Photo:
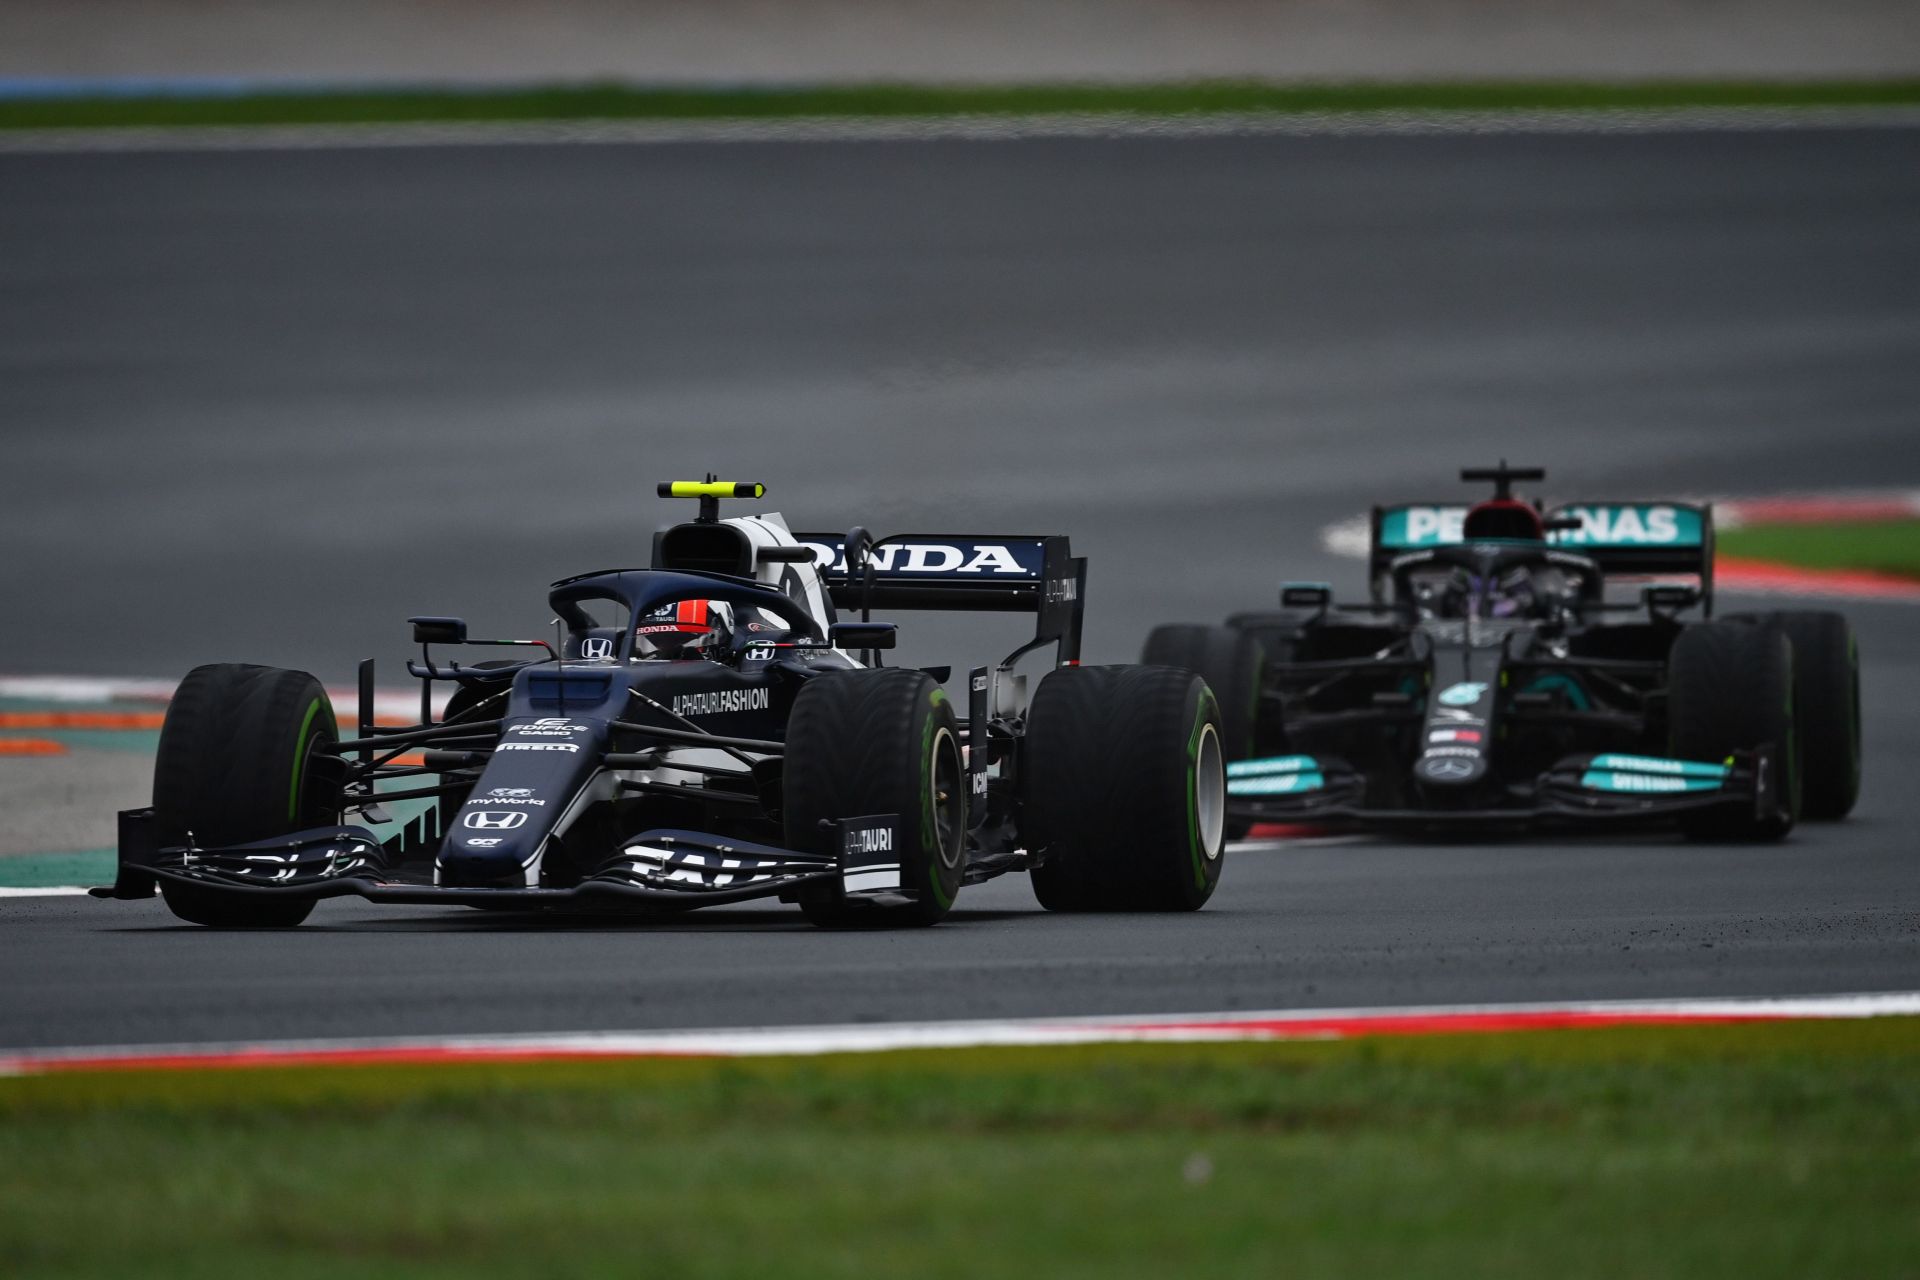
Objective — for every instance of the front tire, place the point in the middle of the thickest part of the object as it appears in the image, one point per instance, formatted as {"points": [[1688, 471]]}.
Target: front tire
{"points": [[241, 759], [1826, 687], [871, 742], [1730, 687], [1125, 789]]}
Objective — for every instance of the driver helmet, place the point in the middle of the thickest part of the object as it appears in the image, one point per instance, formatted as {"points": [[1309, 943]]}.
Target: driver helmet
{"points": [[1503, 518], [1510, 594], [684, 629]]}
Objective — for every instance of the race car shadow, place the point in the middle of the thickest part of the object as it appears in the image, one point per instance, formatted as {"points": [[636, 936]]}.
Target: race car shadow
{"points": [[779, 919]]}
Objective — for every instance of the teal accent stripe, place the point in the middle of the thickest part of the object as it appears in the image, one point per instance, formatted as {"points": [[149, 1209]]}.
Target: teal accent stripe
{"points": [[1279, 785], [1273, 764], [1644, 783], [1657, 765]]}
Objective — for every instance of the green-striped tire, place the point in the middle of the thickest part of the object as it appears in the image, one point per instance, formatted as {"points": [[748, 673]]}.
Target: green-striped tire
{"points": [[871, 742], [1123, 783], [237, 763]]}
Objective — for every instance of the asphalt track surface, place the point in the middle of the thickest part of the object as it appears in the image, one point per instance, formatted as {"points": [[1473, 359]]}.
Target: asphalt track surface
{"points": [[263, 406]]}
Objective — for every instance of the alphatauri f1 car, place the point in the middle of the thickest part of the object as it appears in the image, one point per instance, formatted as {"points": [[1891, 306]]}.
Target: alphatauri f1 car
{"points": [[1496, 678], [705, 730]]}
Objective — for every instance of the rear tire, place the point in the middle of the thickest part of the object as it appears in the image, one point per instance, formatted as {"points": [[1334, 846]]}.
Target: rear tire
{"points": [[872, 742], [1124, 774], [238, 762], [1826, 688], [1233, 663], [1730, 687]]}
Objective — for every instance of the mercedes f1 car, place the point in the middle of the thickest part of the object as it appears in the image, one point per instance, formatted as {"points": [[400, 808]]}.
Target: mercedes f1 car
{"points": [[705, 730], [1496, 678]]}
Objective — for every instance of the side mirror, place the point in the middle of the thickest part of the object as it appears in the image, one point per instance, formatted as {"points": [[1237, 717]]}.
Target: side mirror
{"points": [[1305, 595], [864, 635], [439, 630]]}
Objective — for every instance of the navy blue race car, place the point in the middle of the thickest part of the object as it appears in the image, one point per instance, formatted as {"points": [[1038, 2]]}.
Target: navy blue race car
{"points": [[708, 729]]}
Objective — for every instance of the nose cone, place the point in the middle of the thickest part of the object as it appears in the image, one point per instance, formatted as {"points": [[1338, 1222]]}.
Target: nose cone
{"points": [[1450, 770], [489, 849]]}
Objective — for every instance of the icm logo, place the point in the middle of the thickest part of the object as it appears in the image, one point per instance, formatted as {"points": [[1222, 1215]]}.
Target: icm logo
{"points": [[1463, 695], [495, 821], [596, 647]]}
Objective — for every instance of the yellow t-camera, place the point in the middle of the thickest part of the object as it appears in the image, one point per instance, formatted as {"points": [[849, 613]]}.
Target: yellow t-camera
{"points": [[710, 489]]}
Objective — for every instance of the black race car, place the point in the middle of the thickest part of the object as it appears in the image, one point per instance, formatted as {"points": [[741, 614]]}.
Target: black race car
{"points": [[1497, 678], [705, 730]]}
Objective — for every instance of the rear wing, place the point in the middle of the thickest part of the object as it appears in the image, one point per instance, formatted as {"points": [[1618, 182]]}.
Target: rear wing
{"points": [[1409, 526], [1641, 538], [1626, 539], [1037, 574]]}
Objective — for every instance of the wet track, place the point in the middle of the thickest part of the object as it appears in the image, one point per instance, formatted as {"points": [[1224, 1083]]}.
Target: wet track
{"points": [[264, 406]]}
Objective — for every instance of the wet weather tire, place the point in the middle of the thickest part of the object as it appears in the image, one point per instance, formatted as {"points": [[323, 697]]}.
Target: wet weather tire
{"points": [[1233, 663], [1124, 779], [872, 742], [238, 762], [1730, 687]]}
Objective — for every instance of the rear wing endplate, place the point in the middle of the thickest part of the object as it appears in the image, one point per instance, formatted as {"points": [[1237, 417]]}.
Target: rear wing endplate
{"points": [[1035, 573]]}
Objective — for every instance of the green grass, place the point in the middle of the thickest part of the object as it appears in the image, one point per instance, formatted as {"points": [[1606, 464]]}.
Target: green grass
{"points": [[615, 101], [1750, 1151], [1888, 546]]}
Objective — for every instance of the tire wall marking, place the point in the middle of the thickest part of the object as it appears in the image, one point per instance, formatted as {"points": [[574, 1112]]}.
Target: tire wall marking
{"points": [[300, 759], [1194, 852], [929, 820]]}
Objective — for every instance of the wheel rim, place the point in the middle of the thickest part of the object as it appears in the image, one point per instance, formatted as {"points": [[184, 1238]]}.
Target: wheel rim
{"points": [[949, 798], [1210, 793]]}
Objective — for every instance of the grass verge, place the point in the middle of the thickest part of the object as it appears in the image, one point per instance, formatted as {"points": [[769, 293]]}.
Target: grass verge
{"points": [[624, 102], [1753, 1150], [1885, 546]]}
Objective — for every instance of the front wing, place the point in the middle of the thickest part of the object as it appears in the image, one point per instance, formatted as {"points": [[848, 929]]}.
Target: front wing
{"points": [[1607, 790], [667, 869]]}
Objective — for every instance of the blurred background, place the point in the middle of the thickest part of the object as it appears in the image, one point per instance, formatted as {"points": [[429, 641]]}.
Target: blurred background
{"points": [[786, 41], [262, 404]]}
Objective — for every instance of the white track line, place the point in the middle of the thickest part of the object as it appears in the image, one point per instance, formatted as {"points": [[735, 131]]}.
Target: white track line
{"points": [[877, 1038]]}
